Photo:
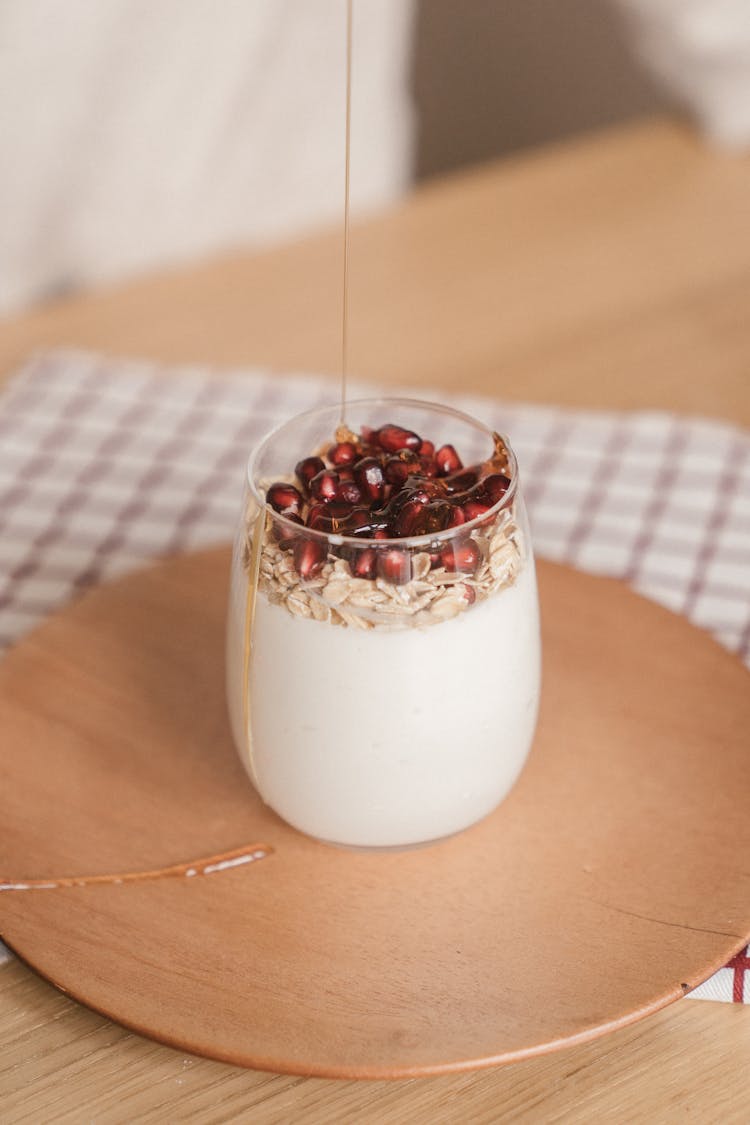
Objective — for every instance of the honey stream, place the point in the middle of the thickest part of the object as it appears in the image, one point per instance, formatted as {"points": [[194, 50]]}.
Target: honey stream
{"points": [[259, 525], [347, 164], [253, 572]]}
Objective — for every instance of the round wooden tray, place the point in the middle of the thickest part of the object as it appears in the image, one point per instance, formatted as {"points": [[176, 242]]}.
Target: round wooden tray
{"points": [[612, 880]]}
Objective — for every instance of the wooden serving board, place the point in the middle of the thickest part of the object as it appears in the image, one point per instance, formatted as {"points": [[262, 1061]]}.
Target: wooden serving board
{"points": [[612, 880]]}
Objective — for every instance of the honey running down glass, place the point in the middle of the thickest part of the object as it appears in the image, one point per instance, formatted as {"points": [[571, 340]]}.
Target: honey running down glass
{"points": [[383, 656]]}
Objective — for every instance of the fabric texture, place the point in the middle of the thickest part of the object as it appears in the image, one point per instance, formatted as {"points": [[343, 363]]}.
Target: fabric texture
{"points": [[106, 464]]}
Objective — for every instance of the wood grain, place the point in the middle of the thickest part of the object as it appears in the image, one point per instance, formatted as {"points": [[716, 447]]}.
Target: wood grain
{"points": [[653, 249], [586, 901], [93, 1070]]}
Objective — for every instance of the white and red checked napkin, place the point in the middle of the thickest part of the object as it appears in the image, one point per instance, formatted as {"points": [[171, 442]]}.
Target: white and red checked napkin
{"points": [[105, 464]]}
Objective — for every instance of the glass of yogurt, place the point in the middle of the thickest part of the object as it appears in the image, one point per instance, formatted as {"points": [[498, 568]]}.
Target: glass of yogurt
{"points": [[383, 651]]}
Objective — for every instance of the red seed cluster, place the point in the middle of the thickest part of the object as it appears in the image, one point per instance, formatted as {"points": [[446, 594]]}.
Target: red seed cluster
{"points": [[386, 484]]}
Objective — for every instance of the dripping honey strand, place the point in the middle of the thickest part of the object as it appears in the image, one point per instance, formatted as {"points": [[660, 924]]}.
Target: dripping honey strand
{"points": [[208, 865]]}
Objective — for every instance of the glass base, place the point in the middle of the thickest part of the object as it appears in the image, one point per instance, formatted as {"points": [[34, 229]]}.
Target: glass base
{"points": [[386, 848]]}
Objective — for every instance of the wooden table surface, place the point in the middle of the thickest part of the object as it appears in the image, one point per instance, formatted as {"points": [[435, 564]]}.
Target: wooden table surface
{"points": [[610, 271]]}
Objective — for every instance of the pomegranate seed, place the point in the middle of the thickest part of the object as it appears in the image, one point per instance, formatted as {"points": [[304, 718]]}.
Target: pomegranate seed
{"points": [[429, 467], [438, 516], [285, 499], [422, 493], [469, 593], [436, 488], [457, 516], [345, 472], [309, 556], [332, 518], [462, 557], [461, 481], [474, 508], [411, 519], [494, 487], [406, 496], [284, 536], [345, 453], [368, 524], [397, 469], [318, 517], [307, 469], [368, 474], [364, 563], [350, 491], [325, 485], [394, 438], [435, 559], [358, 522], [394, 566], [427, 449], [339, 509], [448, 460]]}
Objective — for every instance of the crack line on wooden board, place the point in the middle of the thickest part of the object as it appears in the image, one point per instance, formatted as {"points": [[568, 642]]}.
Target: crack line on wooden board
{"points": [[663, 922]]}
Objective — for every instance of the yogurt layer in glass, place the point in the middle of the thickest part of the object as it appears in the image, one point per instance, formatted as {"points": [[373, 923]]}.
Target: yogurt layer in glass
{"points": [[383, 687]]}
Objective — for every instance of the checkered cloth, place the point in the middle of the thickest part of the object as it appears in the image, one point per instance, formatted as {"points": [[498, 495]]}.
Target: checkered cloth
{"points": [[104, 465]]}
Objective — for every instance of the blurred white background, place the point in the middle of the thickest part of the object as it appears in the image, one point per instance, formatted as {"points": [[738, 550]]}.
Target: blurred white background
{"points": [[141, 133]]}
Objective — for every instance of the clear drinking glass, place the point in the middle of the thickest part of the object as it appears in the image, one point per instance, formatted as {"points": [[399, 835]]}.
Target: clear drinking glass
{"points": [[383, 691]]}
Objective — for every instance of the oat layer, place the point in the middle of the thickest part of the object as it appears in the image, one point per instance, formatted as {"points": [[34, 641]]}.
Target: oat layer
{"points": [[336, 596]]}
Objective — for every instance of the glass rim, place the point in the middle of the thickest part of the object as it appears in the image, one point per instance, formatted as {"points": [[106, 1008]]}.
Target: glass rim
{"points": [[412, 541]]}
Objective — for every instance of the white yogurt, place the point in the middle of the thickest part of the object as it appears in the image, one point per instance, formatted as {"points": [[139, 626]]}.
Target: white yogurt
{"points": [[386, 738]]}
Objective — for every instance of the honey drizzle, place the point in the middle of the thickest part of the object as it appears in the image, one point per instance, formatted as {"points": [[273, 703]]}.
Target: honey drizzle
{"points": [[499, 462], [209, 865], [253, 572], [347, 161], [259, 526]]}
